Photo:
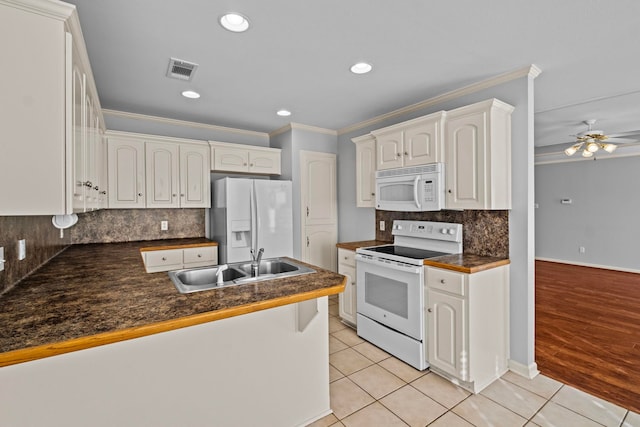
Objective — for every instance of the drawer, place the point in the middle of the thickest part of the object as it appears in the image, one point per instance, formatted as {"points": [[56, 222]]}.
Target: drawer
{"points": [[347, 257], [448, 281], [203, 254], [163, 260]]}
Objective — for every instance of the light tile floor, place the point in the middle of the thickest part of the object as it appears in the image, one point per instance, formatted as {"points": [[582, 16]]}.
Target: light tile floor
{"points": [[369, 387]]}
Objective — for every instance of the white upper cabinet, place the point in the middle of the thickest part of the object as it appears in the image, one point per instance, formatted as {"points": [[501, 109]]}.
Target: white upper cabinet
{"points": [[411, 143], [126, 171], [228, 157], [365, 171], [162, 175], [478, 156], [157, 172], [194, 176], [44, 165]]}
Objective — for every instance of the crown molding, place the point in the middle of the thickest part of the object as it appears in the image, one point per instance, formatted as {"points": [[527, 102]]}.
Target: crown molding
{"points": [[531, 71], [50, 8], [299, 126], [150, 137], [176, 122]]}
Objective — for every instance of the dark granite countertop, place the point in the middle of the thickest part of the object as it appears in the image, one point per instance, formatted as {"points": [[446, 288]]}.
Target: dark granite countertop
{"points": [[465, 263], [95, 294]]}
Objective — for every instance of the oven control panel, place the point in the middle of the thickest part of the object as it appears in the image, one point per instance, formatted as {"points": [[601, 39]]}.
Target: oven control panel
{"points": [[428, 230]]}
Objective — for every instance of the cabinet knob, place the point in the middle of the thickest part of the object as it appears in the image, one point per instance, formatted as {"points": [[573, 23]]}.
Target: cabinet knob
{"points": [[96, 188], [164, 258], [429, 310], [251, 164], [88, 184], [406, 153], [103, 192], [199, 255], [398, 154], [181, 194], [139, 194], [173, 195], [244, 164], [442, 281], [449, 191], [373, 194]]}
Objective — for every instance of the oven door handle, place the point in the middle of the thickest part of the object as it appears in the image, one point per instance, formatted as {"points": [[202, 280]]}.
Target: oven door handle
{"points": [[416, 185], [392, 265]]}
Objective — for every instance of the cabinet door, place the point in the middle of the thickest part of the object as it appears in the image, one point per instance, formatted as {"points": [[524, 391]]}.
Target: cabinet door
{"points": [[320, 246], [423, 143], [347, 299], [318, 188], [231, 159], [79, 137], [126, 173], [194, 176], [265, 162], [162, 175], [102, 168], [465, 159], [446, 336], [389, 150], [366, 173]]}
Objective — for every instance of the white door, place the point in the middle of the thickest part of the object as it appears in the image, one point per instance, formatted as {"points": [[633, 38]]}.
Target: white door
{"points": [[194, 176], [126, 173], [366, 173], [347, 299], [320, 246], [446, 334], [319, 206]]}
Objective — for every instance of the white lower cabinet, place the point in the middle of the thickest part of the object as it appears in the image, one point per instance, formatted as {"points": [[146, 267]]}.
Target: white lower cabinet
{"points": [[347, 299], [176, 258], [467, 325]]}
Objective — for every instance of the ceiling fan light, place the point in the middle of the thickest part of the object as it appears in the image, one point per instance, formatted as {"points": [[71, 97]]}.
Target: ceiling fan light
{"points": [[609, 148], [592, 147], [586, 153], [570, 151]]}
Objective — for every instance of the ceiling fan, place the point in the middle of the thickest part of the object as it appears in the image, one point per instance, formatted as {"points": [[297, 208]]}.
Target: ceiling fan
{"points": [[593, 140]]}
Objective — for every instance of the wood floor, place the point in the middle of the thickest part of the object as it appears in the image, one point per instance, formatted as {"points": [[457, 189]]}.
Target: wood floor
{"points": [[588, 330]]}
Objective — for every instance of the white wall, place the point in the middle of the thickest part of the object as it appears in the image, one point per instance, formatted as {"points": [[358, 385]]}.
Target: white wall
{"points": [[602, 216], [358, 223]]}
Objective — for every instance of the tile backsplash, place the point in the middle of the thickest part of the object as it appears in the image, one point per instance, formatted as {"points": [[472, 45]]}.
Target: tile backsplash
{"points": [[43, 242], [484, 232]]}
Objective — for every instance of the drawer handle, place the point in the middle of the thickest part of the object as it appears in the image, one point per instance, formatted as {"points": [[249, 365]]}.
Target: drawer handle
{"points": [[199, 255], [442, 281], [164, 258]]}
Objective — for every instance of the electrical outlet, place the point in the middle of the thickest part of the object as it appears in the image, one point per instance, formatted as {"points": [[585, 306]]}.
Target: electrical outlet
{"points": [[2, 261], [381, 225], [164, 225], [22, 249], [582, 250]]}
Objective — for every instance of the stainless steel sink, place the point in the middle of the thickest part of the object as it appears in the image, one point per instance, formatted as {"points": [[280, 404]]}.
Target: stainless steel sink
{"points": [[204, 278]]}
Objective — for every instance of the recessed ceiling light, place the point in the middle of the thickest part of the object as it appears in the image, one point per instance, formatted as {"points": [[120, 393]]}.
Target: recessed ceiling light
{"points": [[283, 113], [191, 94], [361, 68], [234, 22]]}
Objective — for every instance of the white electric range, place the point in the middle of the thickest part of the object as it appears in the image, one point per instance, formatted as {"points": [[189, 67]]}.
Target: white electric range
{"points": [[390, 286]]}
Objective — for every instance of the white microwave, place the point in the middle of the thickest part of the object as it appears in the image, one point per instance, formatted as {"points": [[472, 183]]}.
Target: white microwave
{"points": [[413, 189]]}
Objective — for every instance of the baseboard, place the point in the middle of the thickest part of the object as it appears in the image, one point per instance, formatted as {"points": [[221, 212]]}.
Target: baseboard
{"points": [[530, 371], [584, 264], [316, 418]]}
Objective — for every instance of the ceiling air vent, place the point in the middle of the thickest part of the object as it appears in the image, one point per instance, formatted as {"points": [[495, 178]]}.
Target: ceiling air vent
{"points": [[182, 70]]}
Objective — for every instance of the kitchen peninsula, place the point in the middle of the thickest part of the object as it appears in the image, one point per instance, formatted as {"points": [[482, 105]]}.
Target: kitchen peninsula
{"points": [[229, 356]]}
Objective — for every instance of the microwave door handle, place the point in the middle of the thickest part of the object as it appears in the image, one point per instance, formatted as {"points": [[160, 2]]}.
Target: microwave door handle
{"points": [[416, 199]]}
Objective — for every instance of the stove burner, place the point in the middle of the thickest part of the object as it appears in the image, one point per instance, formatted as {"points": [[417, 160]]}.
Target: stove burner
{"points": [[406, 252]]}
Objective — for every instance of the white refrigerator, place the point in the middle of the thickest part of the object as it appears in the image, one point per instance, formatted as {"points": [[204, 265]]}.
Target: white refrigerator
{"points": [[252, 214]]}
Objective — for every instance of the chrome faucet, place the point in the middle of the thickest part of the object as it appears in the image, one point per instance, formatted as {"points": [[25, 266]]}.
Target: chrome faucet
{"points": [[255, 262], [219, 275]]}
